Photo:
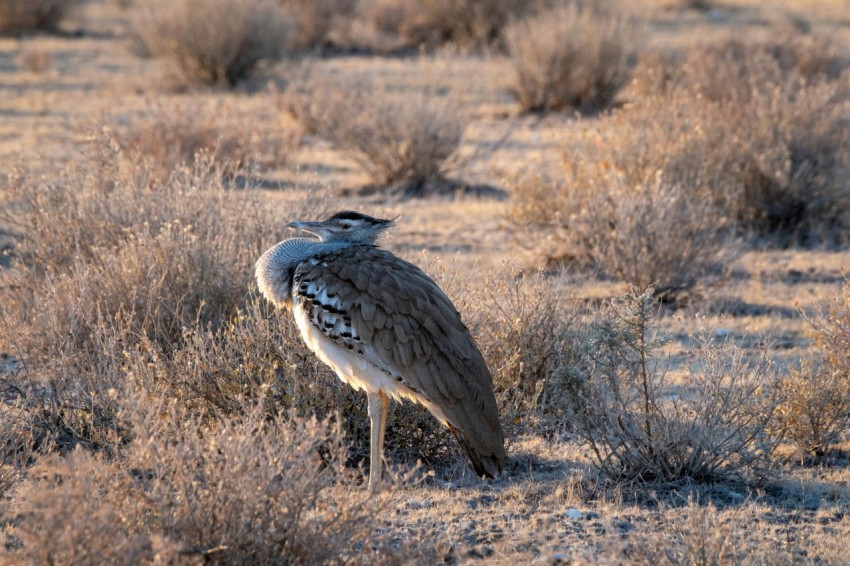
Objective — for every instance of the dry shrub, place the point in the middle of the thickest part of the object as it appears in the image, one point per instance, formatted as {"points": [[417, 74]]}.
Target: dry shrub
{"points": [[248, 491], [783, 132], [816, 410], [215, 42], [121, 282], [23, 16], [709, 426], [655, 236], [315, 20], [431, 23], [735, 70], [17, 444], [528, 333], [574, 56], [793, 122], [404, 139], [260, 355], [644, 198], [764, 158], [166, 138], [109, 260]]}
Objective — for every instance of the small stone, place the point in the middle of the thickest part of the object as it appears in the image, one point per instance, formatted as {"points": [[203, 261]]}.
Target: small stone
{"points": [[573, 513]]}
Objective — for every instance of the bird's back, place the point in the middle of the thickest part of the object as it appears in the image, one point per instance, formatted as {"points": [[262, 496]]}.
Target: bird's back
{"points": [[390, 312]]}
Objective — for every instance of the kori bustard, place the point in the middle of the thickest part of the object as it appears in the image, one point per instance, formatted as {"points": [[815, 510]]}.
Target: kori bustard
{"points": [[385, 327]]}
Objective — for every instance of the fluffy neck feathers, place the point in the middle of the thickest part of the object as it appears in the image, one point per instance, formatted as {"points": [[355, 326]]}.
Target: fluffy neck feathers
{"points": [[276, 267]]}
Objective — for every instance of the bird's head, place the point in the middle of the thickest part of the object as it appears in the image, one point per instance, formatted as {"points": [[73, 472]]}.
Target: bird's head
{"points": [[345, 226]]}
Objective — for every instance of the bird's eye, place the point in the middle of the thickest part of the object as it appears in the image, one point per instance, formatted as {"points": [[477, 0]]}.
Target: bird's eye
{"points": [[345, 226]]}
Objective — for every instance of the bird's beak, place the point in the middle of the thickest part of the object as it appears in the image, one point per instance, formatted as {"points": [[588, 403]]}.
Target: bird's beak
{"points": [[314, 228]]}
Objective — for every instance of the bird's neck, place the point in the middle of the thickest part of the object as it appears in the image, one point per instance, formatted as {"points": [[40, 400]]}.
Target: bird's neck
{"points": [[276, 267]]}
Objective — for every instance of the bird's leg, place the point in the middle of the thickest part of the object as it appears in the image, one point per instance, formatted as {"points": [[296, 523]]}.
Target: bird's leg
{"points": [[379, 406]]}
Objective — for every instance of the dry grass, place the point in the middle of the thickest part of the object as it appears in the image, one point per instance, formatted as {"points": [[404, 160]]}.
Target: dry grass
{"points": [[181, 134], [109, 260], [314, 21], [154, 409], [247, 491], [25, 16], [218, 42], [401, 139], [783, 135], [573, 56], [644, 198], [529, 335], [465, 23], [122, 281], [816, 410], [702, 533], [712, 426]]}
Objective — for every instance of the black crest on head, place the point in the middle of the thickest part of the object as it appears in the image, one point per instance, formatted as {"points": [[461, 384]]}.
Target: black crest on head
{"points": [[351, 215]]}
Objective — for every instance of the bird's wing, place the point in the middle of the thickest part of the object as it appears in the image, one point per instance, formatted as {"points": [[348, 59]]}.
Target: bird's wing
{"points": [[392, 313]]}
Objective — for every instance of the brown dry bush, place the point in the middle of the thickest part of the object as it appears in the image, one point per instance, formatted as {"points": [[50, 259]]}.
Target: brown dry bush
{"points": [[735, 70], [784, 130], [216, 42], [22, 16], [711, 426], [795, 122], [121, 281], [166, 138], [108, 260], [655, 236], [528, 333], [248, 491], [314, 21], [259, 354], [17, 444], [464, 23], [401, 139], [71, 325], [576, 56], [644, 198], [816, 410]]}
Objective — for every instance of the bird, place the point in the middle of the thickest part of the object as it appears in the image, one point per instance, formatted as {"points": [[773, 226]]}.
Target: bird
{"points": [[386, 328]]}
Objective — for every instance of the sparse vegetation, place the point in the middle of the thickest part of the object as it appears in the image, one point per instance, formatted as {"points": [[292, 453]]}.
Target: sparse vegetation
{"points": [[167, 138], [710, 427], [153, 408], [530, 337], [464, 23], [400, 139], [128, 282], [248, 491], [573, 56], [644, 198], [784, 138], [816, 410], [655, 236], [218, 42], [315, 20], [25, 16]]}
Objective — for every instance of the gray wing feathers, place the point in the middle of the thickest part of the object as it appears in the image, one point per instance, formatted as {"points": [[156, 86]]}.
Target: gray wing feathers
{"points": [[415, 330]]}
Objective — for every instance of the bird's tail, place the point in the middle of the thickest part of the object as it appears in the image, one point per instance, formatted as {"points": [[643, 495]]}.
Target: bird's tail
{"points": [[486, 456]]}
